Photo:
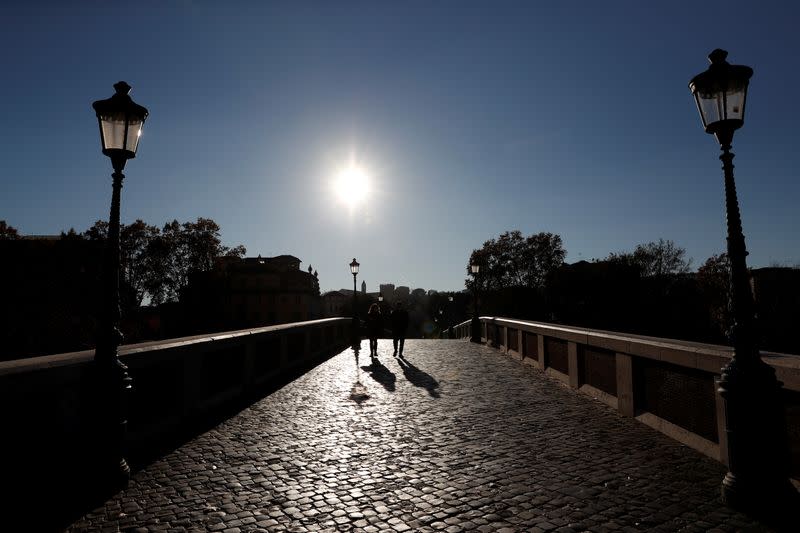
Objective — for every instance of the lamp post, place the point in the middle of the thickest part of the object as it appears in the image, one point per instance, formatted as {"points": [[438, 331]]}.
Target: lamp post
{"points": [[354, 270], [758, 453], [120, 121], [475, 269], [449, 314]]}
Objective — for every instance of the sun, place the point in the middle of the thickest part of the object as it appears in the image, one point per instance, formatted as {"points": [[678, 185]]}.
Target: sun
{"points": [[351, 186]]}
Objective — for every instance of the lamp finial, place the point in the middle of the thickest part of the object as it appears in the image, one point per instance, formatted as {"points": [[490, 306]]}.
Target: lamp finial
{"points": [[718, 56], [122, 87]]}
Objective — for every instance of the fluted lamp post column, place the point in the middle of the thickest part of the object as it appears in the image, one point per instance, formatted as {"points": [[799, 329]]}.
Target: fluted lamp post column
{"points": [[475, 328], [758, 454], [354, 270], [120, 121]]}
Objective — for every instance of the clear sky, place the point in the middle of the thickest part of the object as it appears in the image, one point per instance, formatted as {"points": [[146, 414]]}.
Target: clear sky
{"points": [[469, 119]]}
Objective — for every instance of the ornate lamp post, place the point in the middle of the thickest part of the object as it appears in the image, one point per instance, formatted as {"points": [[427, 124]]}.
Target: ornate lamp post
{"points": [[758, 457], [475, 269], [354, 270], [120, 121]]}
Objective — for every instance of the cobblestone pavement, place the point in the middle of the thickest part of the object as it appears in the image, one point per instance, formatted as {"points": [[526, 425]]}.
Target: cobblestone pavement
{"points": [[456, 438]]}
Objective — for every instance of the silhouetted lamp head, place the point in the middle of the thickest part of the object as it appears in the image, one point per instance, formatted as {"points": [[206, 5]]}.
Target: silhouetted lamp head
{"points": [[354, 266], [475, 268], [449, 298], [121, 121], [380, 298], [720, 93]]}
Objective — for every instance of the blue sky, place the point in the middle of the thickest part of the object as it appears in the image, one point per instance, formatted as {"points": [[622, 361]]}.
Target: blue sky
{"points": [[471, 118]]}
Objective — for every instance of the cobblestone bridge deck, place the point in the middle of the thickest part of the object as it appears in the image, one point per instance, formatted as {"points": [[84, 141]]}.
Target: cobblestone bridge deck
{"points": [[455, 437]]}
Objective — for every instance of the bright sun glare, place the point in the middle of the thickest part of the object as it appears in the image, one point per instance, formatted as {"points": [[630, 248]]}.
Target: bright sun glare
{"points": [[352, 186]]}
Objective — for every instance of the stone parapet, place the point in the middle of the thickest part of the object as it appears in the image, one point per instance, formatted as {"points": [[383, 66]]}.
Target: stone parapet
{"points": [[180, 386], [668, 384]]}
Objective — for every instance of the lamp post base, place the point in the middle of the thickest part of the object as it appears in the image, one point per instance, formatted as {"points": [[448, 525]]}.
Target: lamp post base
{"points": [[758, 459], [773, 496], [475, 328]]}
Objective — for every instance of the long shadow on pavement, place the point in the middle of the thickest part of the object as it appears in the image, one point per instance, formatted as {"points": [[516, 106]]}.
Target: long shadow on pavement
{"points": [[417, 377], [381, 374]]}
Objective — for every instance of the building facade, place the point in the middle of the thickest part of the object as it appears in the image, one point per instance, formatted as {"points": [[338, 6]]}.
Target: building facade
{"points": [[251, 292]]}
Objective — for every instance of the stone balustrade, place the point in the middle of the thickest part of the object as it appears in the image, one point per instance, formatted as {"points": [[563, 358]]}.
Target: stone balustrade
{"points": [[180, 386], [667, 384]]}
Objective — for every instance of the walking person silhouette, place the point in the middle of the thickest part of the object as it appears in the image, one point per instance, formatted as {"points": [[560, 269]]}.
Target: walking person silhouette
{"points": [[374, 328], [399, 321]]}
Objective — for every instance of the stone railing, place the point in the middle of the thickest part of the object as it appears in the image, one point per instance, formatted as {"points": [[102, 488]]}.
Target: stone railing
{"points": [[667, 384], [179, 386]]}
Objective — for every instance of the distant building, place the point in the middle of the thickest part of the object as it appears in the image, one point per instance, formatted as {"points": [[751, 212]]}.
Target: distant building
{"points": [[387, 291], [419, 294], [334, 303], [251, 292], [401, 293], [340, 303]]}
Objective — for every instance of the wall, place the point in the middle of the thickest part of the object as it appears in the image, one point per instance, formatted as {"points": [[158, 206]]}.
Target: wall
{"points": [[180, 386], [667, 384]]}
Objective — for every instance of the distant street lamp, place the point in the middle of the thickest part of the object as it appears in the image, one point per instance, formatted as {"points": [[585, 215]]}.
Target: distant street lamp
{"points": [[475, 268], [120, 121], [450, 315], [758, 453], [354, 270]]}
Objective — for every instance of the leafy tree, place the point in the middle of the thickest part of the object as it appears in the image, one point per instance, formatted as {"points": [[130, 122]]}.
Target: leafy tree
{"points": [[714, 280], [201, 244], [98, 231], [654, 259], [157, 262], [163, 264], [512, 260], [134, 241], [8, 232]]}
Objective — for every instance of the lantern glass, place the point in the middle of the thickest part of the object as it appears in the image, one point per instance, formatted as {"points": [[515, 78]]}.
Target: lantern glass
{"points": [[720, 94], [721, 103], [475, 268], [120, 131], [121, 121], [354, 266]]}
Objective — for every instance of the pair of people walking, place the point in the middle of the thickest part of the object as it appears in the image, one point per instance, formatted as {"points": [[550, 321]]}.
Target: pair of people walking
{"points": [[399, 324]]}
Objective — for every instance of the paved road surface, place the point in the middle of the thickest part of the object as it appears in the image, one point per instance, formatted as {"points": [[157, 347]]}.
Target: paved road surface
{"points": [[456, 437]]}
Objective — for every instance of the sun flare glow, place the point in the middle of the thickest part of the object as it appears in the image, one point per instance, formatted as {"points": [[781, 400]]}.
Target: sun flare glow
{"points": [[352, 186]]}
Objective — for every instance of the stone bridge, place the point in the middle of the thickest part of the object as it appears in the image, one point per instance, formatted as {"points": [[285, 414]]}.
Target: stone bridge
{"points": [[452, 436]]}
